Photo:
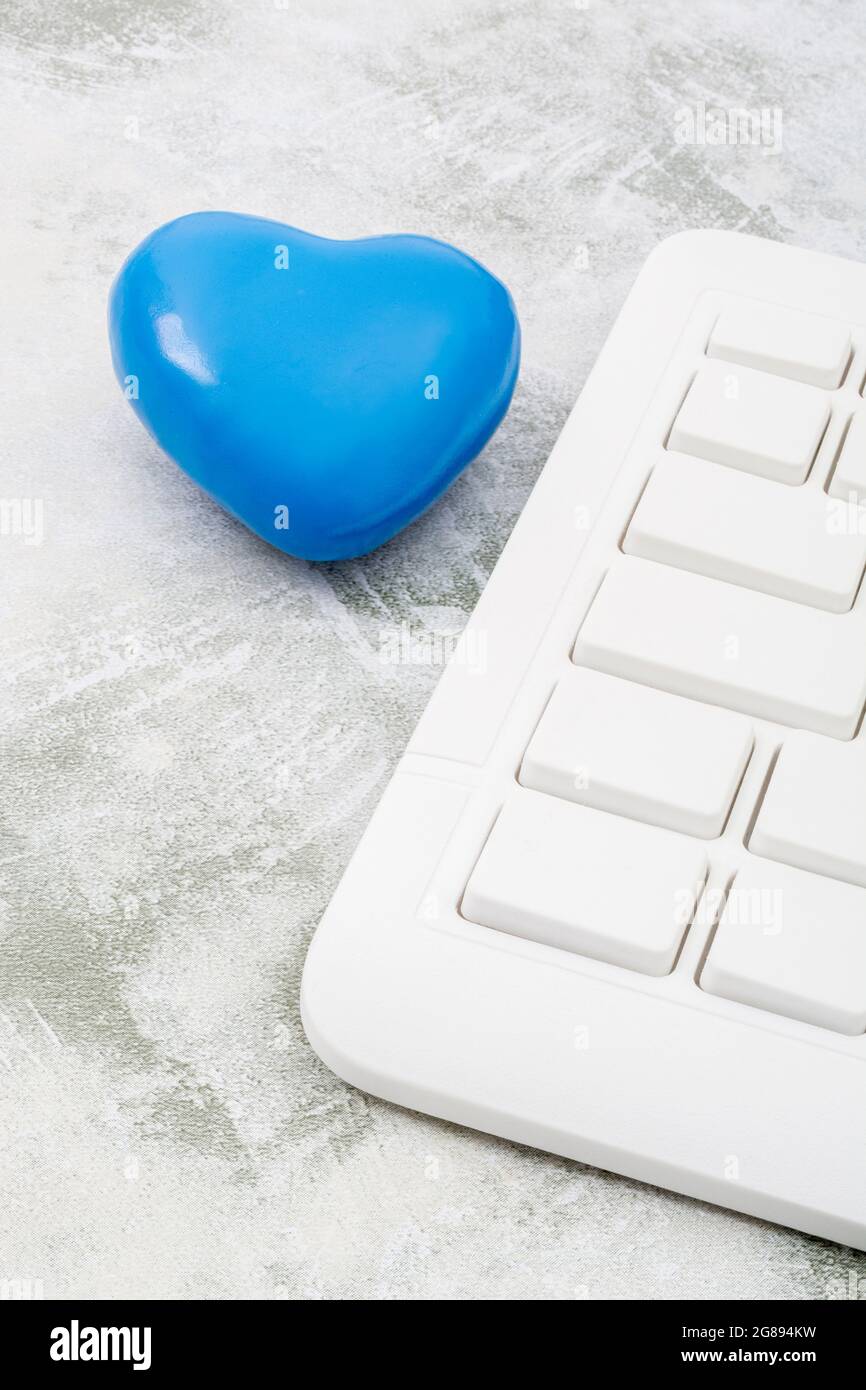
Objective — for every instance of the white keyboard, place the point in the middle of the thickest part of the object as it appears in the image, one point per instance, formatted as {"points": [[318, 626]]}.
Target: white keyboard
{"points": [[613, 902]]}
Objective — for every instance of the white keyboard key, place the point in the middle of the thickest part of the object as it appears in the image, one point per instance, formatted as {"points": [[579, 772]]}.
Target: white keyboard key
{"points": [[746, 530], [793, 944], [638, 752], [814, 812], [588, 882], [849, 476], [726, 645], [749, 420], [806, 347]]}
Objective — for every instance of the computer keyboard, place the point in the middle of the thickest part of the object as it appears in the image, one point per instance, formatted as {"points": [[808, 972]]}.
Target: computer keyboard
{"points": [[613, 902]]}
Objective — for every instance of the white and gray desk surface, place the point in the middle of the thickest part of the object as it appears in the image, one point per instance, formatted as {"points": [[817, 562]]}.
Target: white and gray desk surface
{"points": [[196, 729]]}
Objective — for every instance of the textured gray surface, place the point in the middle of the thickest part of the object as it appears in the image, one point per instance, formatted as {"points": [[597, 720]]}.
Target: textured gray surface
{"points": [[195, 729]]}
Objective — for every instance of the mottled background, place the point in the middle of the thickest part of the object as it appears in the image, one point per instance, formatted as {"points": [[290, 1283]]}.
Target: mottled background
{"points": [[196, 729]]}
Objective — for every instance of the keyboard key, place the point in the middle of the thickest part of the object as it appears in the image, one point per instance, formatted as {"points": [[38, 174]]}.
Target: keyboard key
{"points": [[814, 812], [588, 882], [729, 646], [849, 476], [746, 530], [749, 420], [638, 752], [793, 944], [805, 347]]}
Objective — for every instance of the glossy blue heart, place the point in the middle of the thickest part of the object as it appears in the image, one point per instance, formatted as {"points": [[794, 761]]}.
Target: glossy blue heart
{"points": [[324, 392]]}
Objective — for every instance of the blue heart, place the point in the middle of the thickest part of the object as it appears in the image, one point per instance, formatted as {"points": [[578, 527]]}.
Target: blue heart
{"points": [[324, 392]]}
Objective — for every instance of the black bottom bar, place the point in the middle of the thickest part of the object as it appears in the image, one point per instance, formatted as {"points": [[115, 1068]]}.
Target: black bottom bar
{"points": [[222, 1339]]}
